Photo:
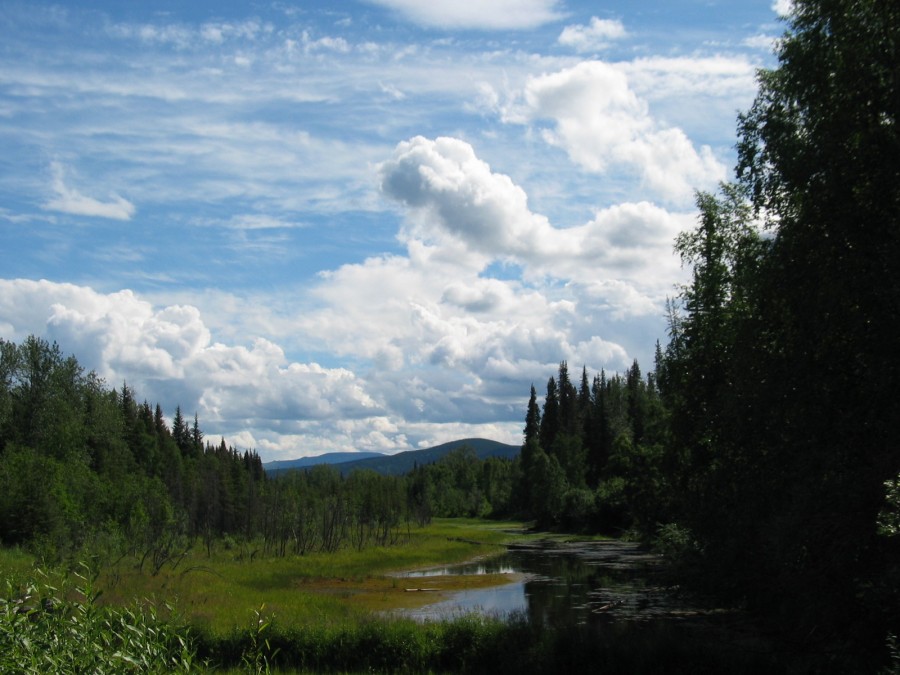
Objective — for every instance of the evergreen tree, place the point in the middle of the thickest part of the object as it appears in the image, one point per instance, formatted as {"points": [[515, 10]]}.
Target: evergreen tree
{"points": [[568, 402], [197, 436], [550, 418], [532, 419], [182, 434]]}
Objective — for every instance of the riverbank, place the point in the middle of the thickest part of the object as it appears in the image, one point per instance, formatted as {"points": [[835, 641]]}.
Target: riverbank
{"points": [[238, 613]]}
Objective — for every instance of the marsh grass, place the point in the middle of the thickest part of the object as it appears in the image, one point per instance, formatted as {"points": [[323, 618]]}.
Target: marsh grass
{"points": [[314, 614], [218, 593]]}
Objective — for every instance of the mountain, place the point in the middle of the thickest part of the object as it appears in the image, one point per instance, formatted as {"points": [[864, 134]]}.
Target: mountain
{"points": [[402, 462], [276, 467]]}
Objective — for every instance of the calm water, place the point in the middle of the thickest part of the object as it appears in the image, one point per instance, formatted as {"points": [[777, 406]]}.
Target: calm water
{"points": [[595, 582]]}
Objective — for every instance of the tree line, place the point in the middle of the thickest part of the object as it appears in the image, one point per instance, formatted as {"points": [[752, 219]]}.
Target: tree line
{"points": [[86, 469], [83, 465]]}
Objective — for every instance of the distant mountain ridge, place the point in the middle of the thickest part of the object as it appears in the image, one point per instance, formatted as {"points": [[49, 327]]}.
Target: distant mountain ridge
{"points": [[305, 462], [394, 465]]}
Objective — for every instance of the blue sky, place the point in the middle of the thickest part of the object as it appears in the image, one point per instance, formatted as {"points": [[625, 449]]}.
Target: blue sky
{"points": [[359, 225]]}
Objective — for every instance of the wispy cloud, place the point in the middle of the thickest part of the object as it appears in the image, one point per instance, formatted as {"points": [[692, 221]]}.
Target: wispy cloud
{"points": [[70, 200], [596, 36], [495, 15]]}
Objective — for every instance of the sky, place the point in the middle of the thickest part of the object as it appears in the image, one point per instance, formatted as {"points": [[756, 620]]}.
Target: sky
{"points": [[360, 225]]}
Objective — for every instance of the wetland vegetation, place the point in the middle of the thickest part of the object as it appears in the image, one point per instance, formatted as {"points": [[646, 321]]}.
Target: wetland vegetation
{"points": [[334, 612]]}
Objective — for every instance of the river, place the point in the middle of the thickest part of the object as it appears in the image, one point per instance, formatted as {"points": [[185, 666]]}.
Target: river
{"points": [[556, 583]]}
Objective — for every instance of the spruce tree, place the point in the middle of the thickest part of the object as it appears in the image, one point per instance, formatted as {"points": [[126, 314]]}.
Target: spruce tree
{"points": [[550, 418]]}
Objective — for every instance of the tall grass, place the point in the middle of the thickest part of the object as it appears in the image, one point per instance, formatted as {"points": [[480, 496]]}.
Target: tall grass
{"points": [[478, 644], [43, 631]]}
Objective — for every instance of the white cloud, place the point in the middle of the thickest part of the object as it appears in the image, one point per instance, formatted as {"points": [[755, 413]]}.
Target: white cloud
{"points": [[603, 125], [761, 41], [70, 200], [256, 396], [494, 15], [658, 78], [453, 192], [594, 37], [259, 221], [454, 195], [327, 43], [185, 36], [783, 8], [167, 355]]}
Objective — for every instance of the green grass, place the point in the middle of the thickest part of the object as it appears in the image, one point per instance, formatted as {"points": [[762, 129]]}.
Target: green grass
{"points": [[218, 593], [314, 614]]}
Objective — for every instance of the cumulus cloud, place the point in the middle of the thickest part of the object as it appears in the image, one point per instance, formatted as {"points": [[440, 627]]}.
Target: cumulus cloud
{"points": [[453, 192], [603, 125], [595, 36], [450, 192], [428, 338], [498, 14], [70, 200], [167, 354]]}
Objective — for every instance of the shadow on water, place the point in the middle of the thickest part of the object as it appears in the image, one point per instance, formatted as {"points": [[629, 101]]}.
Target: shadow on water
{"points": [[556, 584]]}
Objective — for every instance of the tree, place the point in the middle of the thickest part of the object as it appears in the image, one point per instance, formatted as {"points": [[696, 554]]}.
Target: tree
{"points": [[550, 419], [182, 434], [783, 370], [196, 436], [532, 418], [548, 489], [568, 402]]}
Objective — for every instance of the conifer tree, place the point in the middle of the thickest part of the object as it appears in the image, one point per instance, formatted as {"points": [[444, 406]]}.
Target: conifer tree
{"points": [[532, 419]]}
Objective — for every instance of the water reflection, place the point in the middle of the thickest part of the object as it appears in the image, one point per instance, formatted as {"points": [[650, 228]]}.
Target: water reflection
{"points": [[490, 566], [585, 583]]}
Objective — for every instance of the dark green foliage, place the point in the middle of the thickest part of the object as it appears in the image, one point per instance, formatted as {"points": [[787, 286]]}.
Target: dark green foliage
{"points": [[83, 466], [532, 419], [85, 470], [603, 467], [550, 421], [782, 369], [763, 449]]}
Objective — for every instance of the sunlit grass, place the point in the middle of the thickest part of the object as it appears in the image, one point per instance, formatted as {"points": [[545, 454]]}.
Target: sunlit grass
{"points": [[218, 593]]}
